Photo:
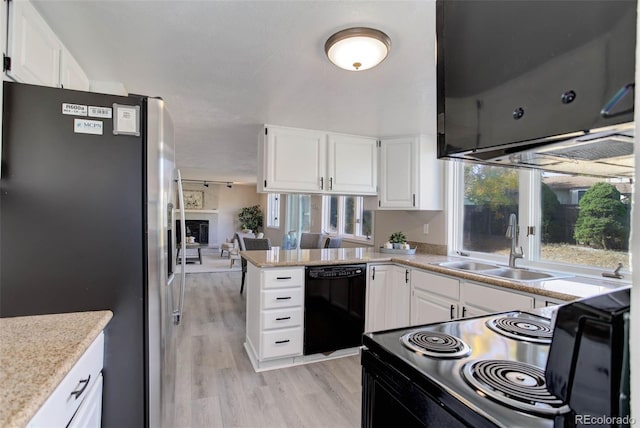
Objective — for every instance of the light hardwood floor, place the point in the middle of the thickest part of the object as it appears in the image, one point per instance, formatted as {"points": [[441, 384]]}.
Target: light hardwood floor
{"points": [[217, 386]]}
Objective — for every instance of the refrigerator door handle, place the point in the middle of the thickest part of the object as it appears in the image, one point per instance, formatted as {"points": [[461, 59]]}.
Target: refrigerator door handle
{"points": [[177, 312]]}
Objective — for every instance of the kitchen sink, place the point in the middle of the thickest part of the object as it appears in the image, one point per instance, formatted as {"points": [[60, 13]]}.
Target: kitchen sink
{"points": [[468, 265], [496, 271]]}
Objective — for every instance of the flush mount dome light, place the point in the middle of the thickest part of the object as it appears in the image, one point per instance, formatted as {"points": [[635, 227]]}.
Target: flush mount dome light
{"points": [[357, 49]]}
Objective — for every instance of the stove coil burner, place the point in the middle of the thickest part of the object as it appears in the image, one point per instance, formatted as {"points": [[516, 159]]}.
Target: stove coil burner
{"points": [[521, 328], [518, 385], [435, 344]]}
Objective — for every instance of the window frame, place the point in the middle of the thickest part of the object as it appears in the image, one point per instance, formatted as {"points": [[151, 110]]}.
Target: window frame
{"points": [[273, 210], [359, 213], [529, 214]]}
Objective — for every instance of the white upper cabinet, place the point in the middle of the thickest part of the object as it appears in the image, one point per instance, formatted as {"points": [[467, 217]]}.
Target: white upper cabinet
{"points": [[308, 161], [352, 164], [410, 174], [33, 47], [37, 55], [293, 160], [71, 74]]}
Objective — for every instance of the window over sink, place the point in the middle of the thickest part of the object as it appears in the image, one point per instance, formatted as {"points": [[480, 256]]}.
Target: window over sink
{"points": [[564, 220]]}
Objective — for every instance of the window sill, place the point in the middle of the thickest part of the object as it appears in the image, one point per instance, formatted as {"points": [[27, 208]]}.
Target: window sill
{"points": [[360, 241]]}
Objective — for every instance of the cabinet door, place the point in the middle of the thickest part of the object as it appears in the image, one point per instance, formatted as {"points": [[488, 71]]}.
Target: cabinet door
{"points": [[294, 160], [397, 173], [398, 298], [352, 164], [34, 49], [72, 76], [375, 317], [428, 308]]}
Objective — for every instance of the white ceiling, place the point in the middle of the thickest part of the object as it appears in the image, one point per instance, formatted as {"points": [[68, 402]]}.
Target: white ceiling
{"points": [[227, 67]]}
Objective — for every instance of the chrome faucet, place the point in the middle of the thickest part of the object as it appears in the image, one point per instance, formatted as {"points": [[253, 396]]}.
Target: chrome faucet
{"points": [[512, 233]]}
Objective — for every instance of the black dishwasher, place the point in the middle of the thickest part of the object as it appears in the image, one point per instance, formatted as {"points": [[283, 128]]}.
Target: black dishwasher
{"points": [[334, 305]]}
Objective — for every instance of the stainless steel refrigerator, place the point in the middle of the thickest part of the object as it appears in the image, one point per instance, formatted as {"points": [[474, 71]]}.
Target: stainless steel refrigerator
{"points": [[85, 224]]}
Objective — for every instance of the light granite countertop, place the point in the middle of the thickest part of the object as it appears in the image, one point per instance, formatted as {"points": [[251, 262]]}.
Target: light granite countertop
{"points": [[566, 289], [36, 353]]}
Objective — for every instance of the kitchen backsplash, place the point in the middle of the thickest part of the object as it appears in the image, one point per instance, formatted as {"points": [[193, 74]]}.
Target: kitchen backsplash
{"points": [[424, 248]]}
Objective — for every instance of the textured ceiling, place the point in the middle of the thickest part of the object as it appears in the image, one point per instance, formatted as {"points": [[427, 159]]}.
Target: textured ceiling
{"points": [[227, 67]]}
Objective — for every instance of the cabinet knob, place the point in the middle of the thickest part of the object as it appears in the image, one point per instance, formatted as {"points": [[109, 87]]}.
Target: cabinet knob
{"points": [[451, 312]]}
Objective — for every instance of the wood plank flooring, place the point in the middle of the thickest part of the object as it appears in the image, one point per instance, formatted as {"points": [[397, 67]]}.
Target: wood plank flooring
{"points": [[217, 386]]}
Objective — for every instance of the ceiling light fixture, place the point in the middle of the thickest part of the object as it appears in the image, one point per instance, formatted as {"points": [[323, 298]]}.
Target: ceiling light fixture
{"points": [[357, 49]]}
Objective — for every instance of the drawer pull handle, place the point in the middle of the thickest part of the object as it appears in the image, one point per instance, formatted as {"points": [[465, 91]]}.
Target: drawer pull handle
{"points": [[283, 277], [283, 318], [282, 341], [283, 298], [79, 392]]}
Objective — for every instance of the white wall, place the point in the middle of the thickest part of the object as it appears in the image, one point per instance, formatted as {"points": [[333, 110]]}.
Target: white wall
{"points": [[411, 223], [229, 203]]}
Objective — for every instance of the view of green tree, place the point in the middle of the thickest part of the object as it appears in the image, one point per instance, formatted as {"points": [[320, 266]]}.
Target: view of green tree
{"points": [[603, 218], [495, 187], [550, 210]]}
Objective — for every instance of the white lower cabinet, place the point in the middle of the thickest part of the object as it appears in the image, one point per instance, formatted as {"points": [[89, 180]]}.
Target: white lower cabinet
{"points": [[275, 299], [439, 298], [79, 395], [434, 298], [375, 312], [478, 299], [398, 298], [388, 297], [427, 308]]}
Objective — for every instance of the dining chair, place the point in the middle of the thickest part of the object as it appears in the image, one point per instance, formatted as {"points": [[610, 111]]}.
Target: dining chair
{"points": [[333, 242], [310, 241], [249, 245]]}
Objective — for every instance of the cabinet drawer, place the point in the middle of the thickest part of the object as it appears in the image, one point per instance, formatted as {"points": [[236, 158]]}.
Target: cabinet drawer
{"points": [[446, 287], [281, 298], [67, 397], [493, 300], [280, 343], [281, 318], [279, 278]]}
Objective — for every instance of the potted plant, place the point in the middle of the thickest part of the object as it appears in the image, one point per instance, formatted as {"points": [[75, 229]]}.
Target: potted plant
{"points": [[250, 218], [397, 239]]}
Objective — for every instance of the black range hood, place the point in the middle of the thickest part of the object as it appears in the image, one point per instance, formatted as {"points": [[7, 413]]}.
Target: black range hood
{"points": [[538, 84]]}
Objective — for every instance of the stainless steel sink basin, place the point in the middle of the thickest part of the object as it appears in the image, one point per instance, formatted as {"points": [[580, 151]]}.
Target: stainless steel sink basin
{"points": [[468, 265], [521, 274]]}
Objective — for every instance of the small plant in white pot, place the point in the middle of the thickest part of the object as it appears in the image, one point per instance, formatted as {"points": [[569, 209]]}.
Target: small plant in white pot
{"points": [[397, 239]]}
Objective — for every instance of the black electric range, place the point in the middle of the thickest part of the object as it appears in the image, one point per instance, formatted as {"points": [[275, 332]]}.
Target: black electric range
{"points": [[514, 369]]}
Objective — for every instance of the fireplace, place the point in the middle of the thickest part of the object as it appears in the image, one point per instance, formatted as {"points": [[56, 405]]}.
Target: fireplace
{"points": [[199, 229]]}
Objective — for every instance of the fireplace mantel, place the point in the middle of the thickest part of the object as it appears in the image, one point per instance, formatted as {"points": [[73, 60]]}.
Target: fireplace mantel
{"points": [[197, 212]]}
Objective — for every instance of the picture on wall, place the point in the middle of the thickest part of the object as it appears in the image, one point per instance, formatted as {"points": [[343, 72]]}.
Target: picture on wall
{"points": [[193, 199]]}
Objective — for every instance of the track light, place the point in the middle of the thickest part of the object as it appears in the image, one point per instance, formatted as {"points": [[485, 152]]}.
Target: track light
{"points": [[206, 183]]}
